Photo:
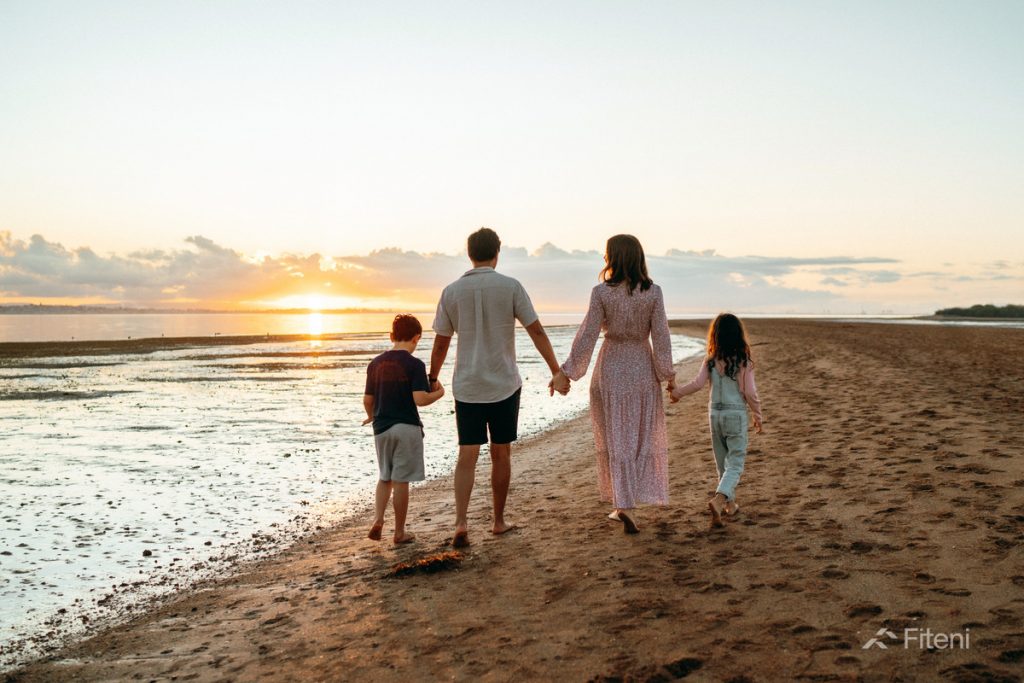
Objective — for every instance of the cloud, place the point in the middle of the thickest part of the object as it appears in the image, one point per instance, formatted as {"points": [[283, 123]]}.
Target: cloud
{"points": [[205, 274]]}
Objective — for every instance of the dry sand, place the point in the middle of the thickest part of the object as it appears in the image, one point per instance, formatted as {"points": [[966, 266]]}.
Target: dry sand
{"points": [[888, 490]]}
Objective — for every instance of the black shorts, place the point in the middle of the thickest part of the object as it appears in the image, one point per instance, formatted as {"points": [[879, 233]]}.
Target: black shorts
{"points": [[474, 420]]}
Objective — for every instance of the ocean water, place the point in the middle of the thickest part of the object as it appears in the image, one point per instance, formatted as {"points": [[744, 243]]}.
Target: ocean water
{"points": [[127, 474]]}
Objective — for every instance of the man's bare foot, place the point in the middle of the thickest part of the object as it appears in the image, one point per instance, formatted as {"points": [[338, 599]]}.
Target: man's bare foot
{"points": [[732, 508], [461, 539], [627, 524], [375, 532], [503, 528], [715, 506], [405, 538]]}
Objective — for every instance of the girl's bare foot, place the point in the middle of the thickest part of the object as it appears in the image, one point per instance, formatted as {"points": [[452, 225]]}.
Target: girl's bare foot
{"points": [[627, 524], [404, 538], [715, 506], [375, 532]]}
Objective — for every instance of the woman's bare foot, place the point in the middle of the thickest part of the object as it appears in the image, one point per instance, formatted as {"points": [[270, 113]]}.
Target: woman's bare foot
{"points": [[405, 538], [715, 506], [375, 532], [461, 539], [627, 524], [502, 528], [614, 516]]}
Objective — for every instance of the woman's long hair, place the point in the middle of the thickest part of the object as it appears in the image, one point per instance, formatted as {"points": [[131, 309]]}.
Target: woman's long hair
{"points": [[625, 263], [727, 342]]}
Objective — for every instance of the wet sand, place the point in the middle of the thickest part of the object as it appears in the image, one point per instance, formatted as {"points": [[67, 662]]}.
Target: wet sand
{"points": [[888, 491]]}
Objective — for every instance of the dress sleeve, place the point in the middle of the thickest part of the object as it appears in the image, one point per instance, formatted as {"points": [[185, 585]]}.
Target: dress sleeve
{"points": [[750, 393], [583, 345], [661, 339], [696, 384]]}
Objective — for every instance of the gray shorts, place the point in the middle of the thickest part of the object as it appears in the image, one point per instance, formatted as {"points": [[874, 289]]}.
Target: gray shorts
{"points": [[400, 453]]}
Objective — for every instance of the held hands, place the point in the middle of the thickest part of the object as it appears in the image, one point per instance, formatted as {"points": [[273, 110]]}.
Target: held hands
{"points": [[560, 383], [670, 388], [757, 426]]}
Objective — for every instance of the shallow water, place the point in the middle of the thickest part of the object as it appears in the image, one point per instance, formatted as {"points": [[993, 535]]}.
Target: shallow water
{"points": [[117, 470]]}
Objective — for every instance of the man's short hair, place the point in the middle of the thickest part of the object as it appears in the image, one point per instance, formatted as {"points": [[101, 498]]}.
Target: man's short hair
{"points": [[405, 328], [483, 245]]}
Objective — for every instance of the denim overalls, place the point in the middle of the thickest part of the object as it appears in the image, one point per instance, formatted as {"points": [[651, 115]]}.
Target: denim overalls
{"points": [[727, 413]]}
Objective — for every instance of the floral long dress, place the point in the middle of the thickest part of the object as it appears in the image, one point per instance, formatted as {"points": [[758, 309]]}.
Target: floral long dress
{"points": [[625, 392]]}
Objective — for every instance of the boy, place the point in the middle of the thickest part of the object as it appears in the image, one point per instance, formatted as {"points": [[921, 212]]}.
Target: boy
{"points": [[396, 382]]}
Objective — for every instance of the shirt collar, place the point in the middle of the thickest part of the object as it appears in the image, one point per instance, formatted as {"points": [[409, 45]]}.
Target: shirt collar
{"points": [[481, 269]]}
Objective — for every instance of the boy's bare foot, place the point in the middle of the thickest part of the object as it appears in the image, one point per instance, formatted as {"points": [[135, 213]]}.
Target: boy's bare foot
{"points": [[716, 510], [503, 528], [627, 524], [461, 539], [405, 538], [375, 532]]}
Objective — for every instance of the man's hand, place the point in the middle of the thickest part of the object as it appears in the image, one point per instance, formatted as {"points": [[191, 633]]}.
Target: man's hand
{"points": [[559, 383]]}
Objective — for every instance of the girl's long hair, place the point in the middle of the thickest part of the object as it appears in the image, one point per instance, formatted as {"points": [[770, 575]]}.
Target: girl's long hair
{"points": [[625, 263], [727, 342]]}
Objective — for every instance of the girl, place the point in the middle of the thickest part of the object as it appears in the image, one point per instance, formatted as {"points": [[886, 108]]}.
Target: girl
{"points": [[730, 371]]}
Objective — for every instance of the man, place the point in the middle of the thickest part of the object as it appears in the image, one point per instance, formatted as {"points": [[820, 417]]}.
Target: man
{"points": [[482, 307]]}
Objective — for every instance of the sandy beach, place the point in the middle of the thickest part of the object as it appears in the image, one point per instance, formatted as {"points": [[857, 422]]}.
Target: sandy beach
{"points": [[887, 492]]}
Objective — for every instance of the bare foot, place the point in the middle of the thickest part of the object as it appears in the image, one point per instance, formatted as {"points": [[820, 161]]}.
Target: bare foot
{"points": [[614, 516], [503, 528], [732, 508], [405, 538], [627, 524], [461, 539], [716, 510], [375, 534]]}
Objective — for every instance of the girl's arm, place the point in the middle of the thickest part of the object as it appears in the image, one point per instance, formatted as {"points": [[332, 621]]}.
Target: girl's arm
{"points": [[750, 396], [695, 385], [575, 366], [661, 340]]}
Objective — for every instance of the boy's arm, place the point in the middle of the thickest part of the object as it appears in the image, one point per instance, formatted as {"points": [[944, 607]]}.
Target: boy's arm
{"points": [[425, 398], [368, 406], [437, 357]]}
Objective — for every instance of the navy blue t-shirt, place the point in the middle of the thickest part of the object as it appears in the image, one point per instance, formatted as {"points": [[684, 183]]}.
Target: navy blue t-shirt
{"points": [[391, 378]]}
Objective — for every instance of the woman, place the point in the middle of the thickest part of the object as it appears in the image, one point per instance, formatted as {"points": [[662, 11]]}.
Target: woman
{"points": [[625, 391]]}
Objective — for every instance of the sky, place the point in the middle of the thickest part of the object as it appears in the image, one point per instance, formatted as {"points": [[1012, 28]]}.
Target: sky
{"points": [[772, 157]]}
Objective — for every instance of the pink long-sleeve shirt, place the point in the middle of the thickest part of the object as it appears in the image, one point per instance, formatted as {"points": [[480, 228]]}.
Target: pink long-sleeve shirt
{"points": [[744, 377]]}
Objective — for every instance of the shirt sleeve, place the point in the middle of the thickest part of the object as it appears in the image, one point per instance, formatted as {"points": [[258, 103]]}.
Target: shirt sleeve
{"points": [[696, 384], [522, 307], [419, 376], [661, 339], [442, 321], [575, 366], [750, 392], [371, 380]]}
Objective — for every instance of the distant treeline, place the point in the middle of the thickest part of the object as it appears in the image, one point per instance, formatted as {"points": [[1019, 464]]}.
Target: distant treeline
{"points": [[985, 311]]}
